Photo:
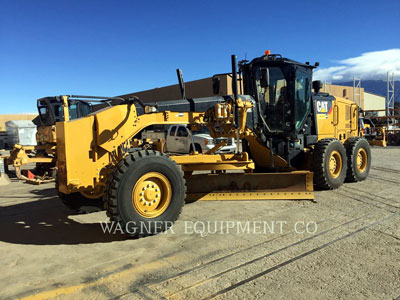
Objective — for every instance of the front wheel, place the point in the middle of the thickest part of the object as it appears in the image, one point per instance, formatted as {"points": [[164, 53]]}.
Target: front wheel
{"points": [[146, 193], [358, 158], [79, 203]]}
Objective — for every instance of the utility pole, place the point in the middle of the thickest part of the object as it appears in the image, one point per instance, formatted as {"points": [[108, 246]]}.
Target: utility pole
{"points": [[328, 87], [390, 97], [357, 86]]}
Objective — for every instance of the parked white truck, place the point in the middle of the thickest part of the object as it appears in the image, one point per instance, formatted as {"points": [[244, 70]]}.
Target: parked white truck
{"points": [[179, 139]]}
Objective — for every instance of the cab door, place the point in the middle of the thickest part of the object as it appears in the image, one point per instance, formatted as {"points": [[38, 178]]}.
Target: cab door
{"points": [[182, 140], [171, 143]]}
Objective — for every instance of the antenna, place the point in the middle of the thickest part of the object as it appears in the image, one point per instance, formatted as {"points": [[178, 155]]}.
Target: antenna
{"points": [[235, 99]]}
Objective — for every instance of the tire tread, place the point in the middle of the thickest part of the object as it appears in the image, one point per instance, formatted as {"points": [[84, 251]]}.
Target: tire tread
{"points": [[113, 182]]}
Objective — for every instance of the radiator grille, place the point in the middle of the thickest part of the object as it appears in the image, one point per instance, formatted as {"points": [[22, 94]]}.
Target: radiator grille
{"points": [[220, 140]]}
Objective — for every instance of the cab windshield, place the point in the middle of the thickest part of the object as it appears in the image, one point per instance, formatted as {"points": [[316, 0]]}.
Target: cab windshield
{"points": [[272, 92], [51, 110], [283, 102], [302, 98]]}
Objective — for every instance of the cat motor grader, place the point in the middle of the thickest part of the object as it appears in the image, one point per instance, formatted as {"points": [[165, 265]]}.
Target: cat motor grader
{"points": [[52, 110], [287, 133]]}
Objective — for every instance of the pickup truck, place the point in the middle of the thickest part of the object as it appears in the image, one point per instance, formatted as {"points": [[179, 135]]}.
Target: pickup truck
{"points": [[178, 139]]}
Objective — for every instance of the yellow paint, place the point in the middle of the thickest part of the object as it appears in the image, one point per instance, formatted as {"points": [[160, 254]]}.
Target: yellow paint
{"points": [[151, 195], [335, 164], [148, 267], [85, 163], [65, 108], [262, 155], [258, 186], [214, 162], [19, 156], [81, 161], [341, 123], [362, 160], [240, 196]]}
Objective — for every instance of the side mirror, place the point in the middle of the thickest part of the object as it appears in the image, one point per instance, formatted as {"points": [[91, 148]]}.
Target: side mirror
{"points": [[216, 81], [264, 78], [317, 85]]}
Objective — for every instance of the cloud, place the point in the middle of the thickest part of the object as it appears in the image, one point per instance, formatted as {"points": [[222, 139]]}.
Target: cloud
{"points": [[369, 65]]}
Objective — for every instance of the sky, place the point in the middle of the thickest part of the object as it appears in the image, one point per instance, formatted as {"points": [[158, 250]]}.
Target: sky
{"points": [[110, 48]]}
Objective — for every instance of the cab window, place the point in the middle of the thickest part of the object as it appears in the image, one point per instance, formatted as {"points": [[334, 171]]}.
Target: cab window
{"points": [[85, 109], [44, 112], [73, 111], [302, 98], [172, 132], [274, 98], [182, 132]]}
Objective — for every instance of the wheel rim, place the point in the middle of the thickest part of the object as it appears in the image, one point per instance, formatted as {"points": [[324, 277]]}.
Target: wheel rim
{"points": [[335, 164], [151, 195], [362, 160]]}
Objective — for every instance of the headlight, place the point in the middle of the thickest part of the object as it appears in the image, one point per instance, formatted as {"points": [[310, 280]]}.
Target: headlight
{"points": [[208, 141]]}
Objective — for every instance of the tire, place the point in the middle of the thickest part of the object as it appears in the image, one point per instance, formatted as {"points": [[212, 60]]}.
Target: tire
{"points": [[80, 204], [198, 148], [397, 139], [138, 212], [329, 164], [48, 169], [358, 159]]}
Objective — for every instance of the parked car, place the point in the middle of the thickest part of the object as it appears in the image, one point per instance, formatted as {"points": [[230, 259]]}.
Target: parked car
{"points": [[179, 139]]}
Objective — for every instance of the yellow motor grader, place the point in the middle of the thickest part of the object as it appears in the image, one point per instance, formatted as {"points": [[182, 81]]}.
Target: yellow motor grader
{"points": [[285, 133], [52, 110]]}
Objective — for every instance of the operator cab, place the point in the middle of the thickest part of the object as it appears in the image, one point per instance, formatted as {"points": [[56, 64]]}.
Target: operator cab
{"points": [[282, 90], [51, 110]]}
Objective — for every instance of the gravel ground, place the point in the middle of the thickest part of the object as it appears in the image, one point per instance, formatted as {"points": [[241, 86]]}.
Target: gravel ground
{"points": [[351, 249]]}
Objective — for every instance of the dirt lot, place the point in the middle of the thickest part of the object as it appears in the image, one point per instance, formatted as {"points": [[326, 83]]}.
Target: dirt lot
{"points": [[351, 249]]}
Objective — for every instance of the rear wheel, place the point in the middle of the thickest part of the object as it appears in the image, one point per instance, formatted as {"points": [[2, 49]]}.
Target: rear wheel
{"points": [[358, 158], [146, 193], [329, 164]]}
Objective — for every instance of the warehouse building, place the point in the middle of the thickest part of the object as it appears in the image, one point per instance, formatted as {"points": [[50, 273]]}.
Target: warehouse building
{"points": [[374, 102], [366, 100], [346, 92], [194, 89], [204, 88]]}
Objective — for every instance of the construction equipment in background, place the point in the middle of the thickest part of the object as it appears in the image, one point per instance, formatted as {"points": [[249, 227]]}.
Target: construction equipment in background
{"points": [[4, 180], [287, 133], [51, 110], [382, 130], [375, 136]]}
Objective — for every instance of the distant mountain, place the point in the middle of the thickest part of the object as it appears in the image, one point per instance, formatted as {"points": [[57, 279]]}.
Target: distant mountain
{"points": [[376, 86]]}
